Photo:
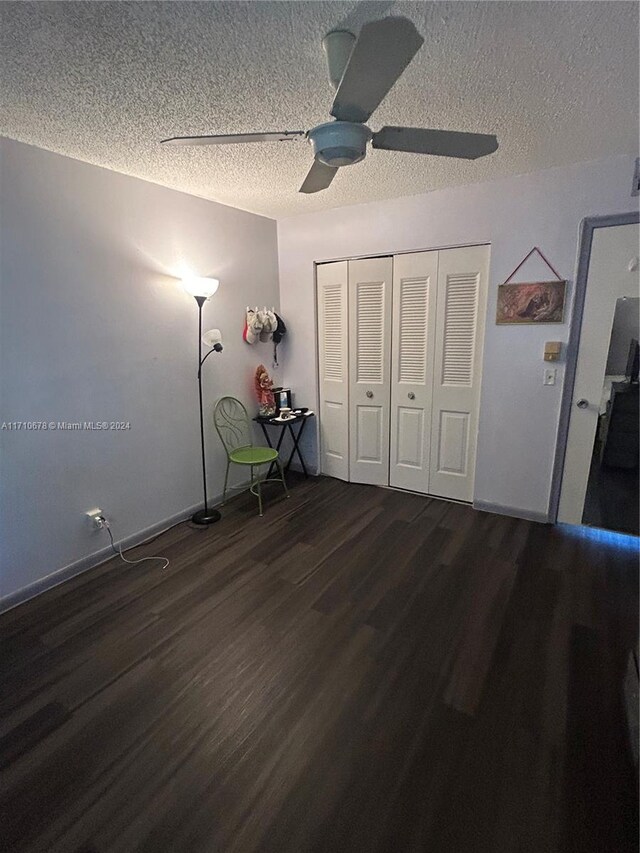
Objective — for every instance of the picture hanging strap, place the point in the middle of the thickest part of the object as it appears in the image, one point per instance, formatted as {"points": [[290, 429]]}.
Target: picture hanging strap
{"points": [[524, 260]]}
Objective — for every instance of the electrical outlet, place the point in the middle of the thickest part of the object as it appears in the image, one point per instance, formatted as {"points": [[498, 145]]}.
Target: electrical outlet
{"points": [[95, 517], [550, 376]]}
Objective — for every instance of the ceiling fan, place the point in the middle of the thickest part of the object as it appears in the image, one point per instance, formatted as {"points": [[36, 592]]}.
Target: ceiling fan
{"points": [[362, 72]]}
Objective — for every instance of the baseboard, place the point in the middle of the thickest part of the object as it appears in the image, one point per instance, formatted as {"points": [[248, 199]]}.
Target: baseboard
{"points": [[311, 470], [91, 561], [514, 512]]}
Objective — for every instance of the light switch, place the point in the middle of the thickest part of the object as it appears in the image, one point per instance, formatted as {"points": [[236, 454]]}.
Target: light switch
{"points": [[552, 350], [550, 376]]}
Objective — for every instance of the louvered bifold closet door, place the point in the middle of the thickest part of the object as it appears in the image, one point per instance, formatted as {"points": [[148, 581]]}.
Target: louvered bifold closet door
{"points": [[333, 369], [461, 308], [415, 282], [369, 367]]}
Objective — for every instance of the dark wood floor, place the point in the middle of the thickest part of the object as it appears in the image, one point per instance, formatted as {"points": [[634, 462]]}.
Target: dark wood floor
{"points": [[360, 670]]}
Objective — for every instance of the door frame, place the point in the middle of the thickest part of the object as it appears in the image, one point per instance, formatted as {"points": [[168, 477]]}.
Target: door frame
{"points": [[587, 227], [391, 253]]}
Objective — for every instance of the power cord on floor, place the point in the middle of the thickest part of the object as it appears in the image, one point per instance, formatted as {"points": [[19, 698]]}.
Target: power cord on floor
{"points": [[118, 550]]}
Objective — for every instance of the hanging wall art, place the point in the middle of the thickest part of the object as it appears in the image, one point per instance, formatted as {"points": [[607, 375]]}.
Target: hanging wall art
{"points": [[532, 301]]}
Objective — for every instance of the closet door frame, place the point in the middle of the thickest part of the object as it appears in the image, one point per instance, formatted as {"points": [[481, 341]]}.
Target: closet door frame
{"points": [[483, 307]]}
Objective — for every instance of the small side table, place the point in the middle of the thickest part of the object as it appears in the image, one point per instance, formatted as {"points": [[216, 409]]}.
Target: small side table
{"points": [[286, 426]]}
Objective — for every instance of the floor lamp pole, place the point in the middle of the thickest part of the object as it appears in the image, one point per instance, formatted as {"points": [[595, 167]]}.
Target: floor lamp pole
{"points": [[206, 515]]}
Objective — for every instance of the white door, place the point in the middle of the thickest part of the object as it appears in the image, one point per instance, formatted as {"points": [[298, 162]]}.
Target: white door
{"points": [[608, 279], [369, 366], [461, 309], [415, 282], [333, 369]]}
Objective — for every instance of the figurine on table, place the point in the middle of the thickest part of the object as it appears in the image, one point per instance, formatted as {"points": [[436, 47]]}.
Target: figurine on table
{"points": [[264, 384]]}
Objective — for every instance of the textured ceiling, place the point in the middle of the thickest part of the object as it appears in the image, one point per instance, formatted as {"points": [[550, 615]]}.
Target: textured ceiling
{"points": [[104, 82]]}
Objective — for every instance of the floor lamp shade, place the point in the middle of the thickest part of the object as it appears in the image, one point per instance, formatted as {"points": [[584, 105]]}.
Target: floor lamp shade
{"points": [[199, 286], [212, 337]]}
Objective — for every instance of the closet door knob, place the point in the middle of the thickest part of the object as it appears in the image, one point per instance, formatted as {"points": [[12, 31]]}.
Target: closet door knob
{"points": [[411, 395], [582, 404], [369, 394]]}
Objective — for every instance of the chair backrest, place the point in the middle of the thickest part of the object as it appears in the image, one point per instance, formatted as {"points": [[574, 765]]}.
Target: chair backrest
{"points": [[232, 424]]}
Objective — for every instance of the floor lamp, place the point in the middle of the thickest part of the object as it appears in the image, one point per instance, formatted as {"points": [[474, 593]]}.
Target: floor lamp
{"points": [[202, 289]]}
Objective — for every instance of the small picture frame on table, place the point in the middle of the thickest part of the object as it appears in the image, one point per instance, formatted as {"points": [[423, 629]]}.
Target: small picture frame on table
{"points": [[282, 397]]}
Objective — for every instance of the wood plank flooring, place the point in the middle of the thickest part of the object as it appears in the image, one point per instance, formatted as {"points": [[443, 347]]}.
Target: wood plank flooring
{"points": [[359, 670]]}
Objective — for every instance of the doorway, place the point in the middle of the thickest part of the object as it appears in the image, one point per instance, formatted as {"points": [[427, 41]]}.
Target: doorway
{"points": [[612, 499], [600, 477]]}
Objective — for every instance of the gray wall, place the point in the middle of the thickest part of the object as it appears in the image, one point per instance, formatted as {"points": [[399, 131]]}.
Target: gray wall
{"points": [[518, 416], [94, 326], [626, 325]]}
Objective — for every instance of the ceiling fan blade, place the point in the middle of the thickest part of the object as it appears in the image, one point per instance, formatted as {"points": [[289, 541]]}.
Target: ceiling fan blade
{"points": [[234, 137], [441, 143], [318, 178], [382, 52]]}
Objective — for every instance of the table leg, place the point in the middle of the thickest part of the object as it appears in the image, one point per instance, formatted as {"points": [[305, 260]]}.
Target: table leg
{"points": [[278, 446], [296, 448]]}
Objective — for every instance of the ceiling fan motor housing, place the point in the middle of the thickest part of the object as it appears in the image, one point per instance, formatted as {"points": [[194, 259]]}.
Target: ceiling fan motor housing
{"points": [[340, 143]]}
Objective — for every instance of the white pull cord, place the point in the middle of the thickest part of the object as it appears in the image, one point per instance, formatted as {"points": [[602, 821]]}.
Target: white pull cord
{"points": [[118, 550]]}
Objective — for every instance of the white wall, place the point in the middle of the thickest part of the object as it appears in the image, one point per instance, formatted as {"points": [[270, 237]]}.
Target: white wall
{"points": [[94, 327], [518, 417]]}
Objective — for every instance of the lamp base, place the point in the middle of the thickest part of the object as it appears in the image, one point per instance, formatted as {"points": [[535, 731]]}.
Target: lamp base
{"points": [[206, 516]]}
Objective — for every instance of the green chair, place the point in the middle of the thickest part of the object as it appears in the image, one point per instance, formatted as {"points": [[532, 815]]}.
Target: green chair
{"points": [[234, 428]]}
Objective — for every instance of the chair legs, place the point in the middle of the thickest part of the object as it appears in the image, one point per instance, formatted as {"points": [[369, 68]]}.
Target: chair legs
{"points": [[259, 483], [256, 483], [256, 488], [284, 484], [226, 477]]}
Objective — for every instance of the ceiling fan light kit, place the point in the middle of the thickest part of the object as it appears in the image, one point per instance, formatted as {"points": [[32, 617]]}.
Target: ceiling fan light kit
{"points": [[339, 143], [363, 71]]}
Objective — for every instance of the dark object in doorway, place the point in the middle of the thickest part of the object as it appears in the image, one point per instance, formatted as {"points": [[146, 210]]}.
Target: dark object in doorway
{"points": [[622, 427]]}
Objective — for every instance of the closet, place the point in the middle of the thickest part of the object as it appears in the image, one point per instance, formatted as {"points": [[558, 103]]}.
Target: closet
{"points": [[400, 352]]}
